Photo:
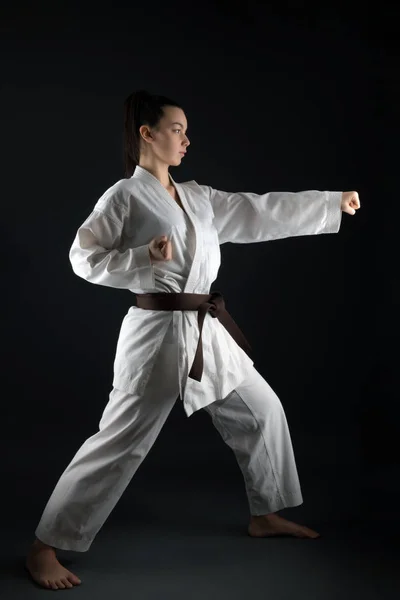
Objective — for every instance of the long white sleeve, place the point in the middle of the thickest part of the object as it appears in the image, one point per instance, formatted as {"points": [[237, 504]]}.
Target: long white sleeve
{"points": [[246, 217], [96, 255]]}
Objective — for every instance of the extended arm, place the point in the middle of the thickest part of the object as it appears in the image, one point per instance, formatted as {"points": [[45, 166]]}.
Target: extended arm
{"points": [[246, 217]]}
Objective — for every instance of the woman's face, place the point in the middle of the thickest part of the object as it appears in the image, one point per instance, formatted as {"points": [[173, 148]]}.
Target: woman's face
{"points": [[169, 140]]}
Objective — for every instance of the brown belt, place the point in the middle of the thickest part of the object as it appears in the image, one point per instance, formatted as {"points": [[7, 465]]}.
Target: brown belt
{"points": [[203, 303]]}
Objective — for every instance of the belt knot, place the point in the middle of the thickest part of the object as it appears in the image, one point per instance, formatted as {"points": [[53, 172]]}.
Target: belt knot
{"points": [[215, 305]]}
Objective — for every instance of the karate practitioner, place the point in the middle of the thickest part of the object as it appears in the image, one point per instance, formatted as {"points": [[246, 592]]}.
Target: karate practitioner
{"points": [[160, 240]]}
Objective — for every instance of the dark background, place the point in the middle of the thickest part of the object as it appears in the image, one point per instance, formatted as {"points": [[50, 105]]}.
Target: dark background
{"points": [[278, 97]]}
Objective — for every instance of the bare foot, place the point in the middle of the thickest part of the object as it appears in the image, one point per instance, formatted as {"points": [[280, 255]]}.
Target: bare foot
{"points": [[273, 524], [45, 569]]}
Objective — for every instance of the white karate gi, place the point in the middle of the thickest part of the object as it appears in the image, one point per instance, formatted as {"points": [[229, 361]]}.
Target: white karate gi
{"points": [[111, 249], [155, 349]]}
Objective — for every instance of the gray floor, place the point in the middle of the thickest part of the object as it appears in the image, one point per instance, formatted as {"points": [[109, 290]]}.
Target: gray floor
{"points": [[171, 539]]}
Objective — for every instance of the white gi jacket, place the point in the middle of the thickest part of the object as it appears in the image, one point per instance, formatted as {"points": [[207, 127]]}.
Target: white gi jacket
{"points": [[111, 249]]}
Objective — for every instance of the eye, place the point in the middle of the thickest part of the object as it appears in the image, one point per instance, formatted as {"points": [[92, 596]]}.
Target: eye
{"points": [[177, 130]]}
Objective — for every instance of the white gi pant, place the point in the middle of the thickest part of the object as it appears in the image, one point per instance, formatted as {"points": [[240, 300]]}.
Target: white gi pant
{"points": [[251, 420]]}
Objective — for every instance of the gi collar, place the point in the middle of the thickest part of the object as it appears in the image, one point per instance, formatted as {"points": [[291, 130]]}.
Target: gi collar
{"points": [[142, 173]]}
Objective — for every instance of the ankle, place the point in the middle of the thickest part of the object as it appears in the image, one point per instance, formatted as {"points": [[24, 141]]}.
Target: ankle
{"points": [[39, 545], [268, 516]]}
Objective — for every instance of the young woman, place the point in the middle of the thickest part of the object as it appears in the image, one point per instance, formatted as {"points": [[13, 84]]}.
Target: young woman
{"points": [[160, 240]]}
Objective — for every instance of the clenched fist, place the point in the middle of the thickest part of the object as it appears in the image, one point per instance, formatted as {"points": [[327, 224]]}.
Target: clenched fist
{"points": [[350, 202], [160, 248]]}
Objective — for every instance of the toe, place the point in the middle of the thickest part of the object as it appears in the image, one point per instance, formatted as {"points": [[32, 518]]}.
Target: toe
{"points": [[53, 585], [312, 534], [66, 583]]}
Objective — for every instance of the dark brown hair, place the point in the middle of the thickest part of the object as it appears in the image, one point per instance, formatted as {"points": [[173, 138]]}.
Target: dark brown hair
{"points": [[140, 108]]}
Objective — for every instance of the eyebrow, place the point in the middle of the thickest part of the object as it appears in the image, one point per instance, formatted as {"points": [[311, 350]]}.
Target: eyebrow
{"points": [[177, 123]]}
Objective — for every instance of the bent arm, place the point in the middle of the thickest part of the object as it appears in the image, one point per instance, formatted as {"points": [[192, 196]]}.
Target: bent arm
{"points": [[97, 257]]}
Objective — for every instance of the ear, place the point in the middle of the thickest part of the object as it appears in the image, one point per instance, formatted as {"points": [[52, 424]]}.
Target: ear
{"points": [[145, 133]]}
